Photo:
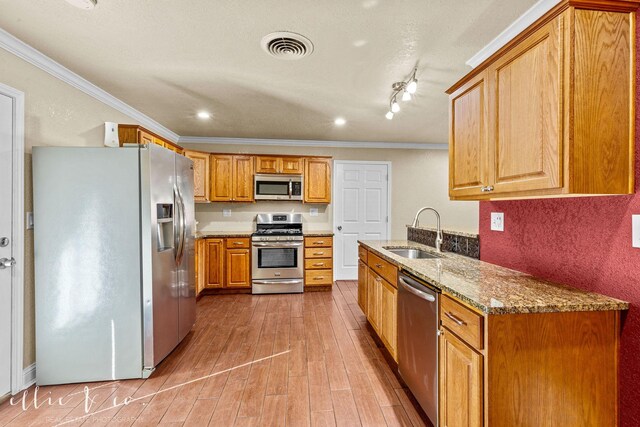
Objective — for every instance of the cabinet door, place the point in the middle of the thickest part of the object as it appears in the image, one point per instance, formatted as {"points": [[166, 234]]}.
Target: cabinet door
{"points": [[200, 175], [468, 158], [146, 138], [374, 290], [291, 165], [238, 268], [200, 265], [460, 383], [317, 180], [265, 164], [221, 178], [214, 263], [526, 98], [362, 286], [389, 317], [243, 178]]}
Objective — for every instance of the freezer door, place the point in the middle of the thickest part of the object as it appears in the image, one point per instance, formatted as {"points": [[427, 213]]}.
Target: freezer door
{"points": [[87, 264], [186, 257], [160, 278]]}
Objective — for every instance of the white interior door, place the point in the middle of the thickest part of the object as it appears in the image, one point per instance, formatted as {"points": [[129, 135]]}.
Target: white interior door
{"points": [[6, 205], [361, 211]]}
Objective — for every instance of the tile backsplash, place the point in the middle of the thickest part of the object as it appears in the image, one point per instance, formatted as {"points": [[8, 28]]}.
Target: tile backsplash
{"points": [[466, 244]]}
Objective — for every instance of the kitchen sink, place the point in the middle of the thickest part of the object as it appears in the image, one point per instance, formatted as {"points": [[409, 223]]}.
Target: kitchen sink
{"points": [[412, 253]]}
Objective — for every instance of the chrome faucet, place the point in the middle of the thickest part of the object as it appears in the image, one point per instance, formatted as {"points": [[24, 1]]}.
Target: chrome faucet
{"points": [[439, 238]]}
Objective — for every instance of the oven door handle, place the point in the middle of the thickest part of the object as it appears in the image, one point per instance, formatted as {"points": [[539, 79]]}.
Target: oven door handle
{"points": [[277, 282], [277, 245]]}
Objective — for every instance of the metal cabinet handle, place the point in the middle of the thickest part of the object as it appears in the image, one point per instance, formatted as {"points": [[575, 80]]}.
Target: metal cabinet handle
{"points": [[319, 242], [487, 188], [7, 263], [237, 243], [318, 264], [379, 265], [318, 253], [456, 319], [318, 278]]}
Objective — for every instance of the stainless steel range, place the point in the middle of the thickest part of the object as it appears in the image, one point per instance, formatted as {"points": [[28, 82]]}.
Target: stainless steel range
{"points": [[278, 254]]}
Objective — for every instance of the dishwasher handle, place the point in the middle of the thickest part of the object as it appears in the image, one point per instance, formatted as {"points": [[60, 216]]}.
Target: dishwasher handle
{"points": [[416, 292]]}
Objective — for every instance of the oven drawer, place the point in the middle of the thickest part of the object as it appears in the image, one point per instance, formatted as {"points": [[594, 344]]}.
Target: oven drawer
{"points": [[318, 277], [238, 243], [318, 253], [318, 263], [318, 242]]}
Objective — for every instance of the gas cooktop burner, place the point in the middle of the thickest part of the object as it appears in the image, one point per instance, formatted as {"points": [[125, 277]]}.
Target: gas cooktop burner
{"points": [[278, 232]]}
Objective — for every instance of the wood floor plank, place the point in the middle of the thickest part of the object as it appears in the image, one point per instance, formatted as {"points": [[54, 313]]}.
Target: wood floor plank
{"points": [[275, 411], [201, 412], [323, 419], [298, 413], [344, 408]]}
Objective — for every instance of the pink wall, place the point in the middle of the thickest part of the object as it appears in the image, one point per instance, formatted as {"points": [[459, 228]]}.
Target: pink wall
{"points": [[583, 242]]}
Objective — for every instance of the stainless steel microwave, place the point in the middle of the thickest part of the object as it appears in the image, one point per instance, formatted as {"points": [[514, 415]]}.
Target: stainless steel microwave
{"points": [[278, 187]]}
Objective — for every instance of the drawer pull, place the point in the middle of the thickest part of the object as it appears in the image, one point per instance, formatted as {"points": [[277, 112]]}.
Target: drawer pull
{"points": [[318, 278], [379, 265], [319, 242], [318, 253], [237, 243], [456, 319], [318, 264]]}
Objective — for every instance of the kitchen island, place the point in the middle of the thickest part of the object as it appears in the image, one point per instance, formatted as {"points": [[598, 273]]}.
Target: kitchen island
{"points": [[513, 349]]}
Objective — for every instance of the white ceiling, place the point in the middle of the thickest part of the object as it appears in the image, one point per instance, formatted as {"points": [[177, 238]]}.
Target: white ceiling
{"points": [[172, 58]]}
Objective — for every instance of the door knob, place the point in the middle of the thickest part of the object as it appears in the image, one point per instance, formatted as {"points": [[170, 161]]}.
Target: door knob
{"points": [[339, 228], [7, 263], [4, 241]]}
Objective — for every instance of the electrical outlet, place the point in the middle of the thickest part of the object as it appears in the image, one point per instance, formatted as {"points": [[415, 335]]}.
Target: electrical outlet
{"points": [[497, 221], [313, 211], [635, 231], [226, 212]]}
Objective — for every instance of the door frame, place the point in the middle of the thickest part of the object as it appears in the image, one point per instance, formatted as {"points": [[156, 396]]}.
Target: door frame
{"points": [[334, 199], [17, 240]]}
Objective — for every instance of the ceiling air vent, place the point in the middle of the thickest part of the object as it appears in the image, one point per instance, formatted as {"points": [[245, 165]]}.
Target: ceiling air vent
{"points": [[286, 45]]}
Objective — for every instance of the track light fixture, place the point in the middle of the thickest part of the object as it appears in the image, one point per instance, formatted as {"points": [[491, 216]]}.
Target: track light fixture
{"points": [[407, 87]]}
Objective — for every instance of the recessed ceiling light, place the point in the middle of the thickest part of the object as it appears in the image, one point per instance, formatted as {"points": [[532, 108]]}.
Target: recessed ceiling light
{"points": [[83, 4], [340, 121], [204, 115]]}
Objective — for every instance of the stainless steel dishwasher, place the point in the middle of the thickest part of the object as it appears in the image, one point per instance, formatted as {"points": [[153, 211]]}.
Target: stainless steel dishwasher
{"points": [[418, 325]]}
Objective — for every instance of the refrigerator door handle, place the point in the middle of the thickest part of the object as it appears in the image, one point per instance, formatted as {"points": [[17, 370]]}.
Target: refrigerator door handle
{"points": [[177, 221], [181, 235]]}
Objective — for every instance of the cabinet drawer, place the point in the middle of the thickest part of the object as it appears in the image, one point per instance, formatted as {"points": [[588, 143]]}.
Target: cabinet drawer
{"points": [[462, 321], [318, 253], [318, 277], [238, 243], [318, 242], [362, 254], [318, 263], [384, 268]]}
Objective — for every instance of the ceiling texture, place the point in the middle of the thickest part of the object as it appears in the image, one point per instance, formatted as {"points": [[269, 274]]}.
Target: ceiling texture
{"points": [[173, 58]]}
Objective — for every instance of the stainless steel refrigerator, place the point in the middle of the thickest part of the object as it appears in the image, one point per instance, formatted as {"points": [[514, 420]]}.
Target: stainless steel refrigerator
{"points": [[114, 260]]}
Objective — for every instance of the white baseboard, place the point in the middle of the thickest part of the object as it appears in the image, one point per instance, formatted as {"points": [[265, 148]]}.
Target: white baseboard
{"points": [[29, 376]]}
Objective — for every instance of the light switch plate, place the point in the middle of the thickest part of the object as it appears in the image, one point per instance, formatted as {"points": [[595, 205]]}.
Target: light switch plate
{"points": [[226, 212], [497, 221], [313, 211], [635, 231]]}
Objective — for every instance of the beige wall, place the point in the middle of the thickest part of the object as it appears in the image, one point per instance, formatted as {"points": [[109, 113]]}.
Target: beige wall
{"points": [[55, 114], [419, 178]]}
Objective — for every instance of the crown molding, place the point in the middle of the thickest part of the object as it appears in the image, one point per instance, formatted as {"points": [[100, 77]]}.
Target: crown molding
{"points": [[33, 56], [536, 12], [311, 143]]}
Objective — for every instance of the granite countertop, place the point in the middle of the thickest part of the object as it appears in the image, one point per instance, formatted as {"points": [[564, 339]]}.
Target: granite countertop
{"points": [[222, 234], [490, 288]]}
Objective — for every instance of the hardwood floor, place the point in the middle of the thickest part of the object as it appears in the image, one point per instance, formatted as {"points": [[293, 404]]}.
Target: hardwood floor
{"points": [[267, 360]]}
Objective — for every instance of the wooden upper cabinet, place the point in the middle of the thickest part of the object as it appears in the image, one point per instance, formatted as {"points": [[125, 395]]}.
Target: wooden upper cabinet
{"points": [[135, 134], [243, 179], [221, 178], [526, 95], [284, 165], [201, 172], [317, 180], [555, 108], [468, 138]]}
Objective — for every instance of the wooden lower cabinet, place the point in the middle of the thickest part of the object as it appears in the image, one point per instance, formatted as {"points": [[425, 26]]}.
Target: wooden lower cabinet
{"points": [[223, 263], [374, 299], [318, 262], [460, 383], [238, 268], [389, 317], [362, 286]]}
